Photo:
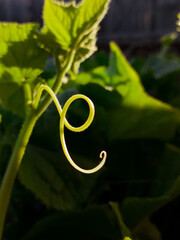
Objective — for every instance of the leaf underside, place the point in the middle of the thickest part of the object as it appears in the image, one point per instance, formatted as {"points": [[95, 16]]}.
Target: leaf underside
{"points": [[72, 27], [22, 60]]}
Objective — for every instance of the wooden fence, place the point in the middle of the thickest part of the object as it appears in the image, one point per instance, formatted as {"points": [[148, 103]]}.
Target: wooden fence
{"points": [[140, 21]]}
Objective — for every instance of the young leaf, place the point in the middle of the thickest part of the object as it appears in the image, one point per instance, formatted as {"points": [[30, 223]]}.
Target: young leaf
{"points": [[72, 27], [21, 61]]}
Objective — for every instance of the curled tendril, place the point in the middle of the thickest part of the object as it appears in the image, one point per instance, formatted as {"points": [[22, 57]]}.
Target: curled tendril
{"points": [[63, 121]]}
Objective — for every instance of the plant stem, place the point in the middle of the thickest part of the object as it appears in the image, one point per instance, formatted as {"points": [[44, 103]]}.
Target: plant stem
{"points": [[47, 100], [21, 143], [13, 167]]}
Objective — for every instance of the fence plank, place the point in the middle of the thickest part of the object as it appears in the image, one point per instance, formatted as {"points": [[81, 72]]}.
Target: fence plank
{"points": [[127, 20]]}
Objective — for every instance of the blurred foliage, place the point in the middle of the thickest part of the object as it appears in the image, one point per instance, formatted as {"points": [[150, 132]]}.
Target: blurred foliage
{"points": [[137, 122]]}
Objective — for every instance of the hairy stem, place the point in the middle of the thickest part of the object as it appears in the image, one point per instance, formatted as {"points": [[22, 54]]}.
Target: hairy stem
{"points": [[13, 167], [47, 100]]}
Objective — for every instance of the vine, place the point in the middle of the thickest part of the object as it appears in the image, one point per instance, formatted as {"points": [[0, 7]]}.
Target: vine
{"points": [[63, 121]]}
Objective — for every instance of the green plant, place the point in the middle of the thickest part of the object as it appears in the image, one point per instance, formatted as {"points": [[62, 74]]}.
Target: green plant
{"points": [[137, 121], [142, 131], [69, 34]]}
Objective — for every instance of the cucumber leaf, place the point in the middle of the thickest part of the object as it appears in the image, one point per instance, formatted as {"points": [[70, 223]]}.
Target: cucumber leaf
{"points": [[21, 61], [50, 177], [72, 27], [161, 66], [94, 222], [165, 187], [135, 210], [143, 230], [147, 230], [139, 114]]}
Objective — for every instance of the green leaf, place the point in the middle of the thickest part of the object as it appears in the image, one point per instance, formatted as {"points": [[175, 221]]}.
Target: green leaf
{"points": [[147, 230], [51, 178], [9, 129], [161, 66], [142, 228], [97, 75], [135, 210], [72, 27], [167, 40], [167, 172], [91, 223], [138, 114], [119, 75], [161, 187], [150, 119], [98, 59], [165, 187], [22, 60]]}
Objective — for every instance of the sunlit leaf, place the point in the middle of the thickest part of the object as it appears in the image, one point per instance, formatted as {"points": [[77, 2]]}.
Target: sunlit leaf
{"points": [[138, 114], [21, 61], [72, 27]]}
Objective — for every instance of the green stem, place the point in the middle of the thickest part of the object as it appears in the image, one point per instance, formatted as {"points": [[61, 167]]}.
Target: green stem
{"points": [[13, 167], [27, 97], [47, 100], [22, 141]]}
